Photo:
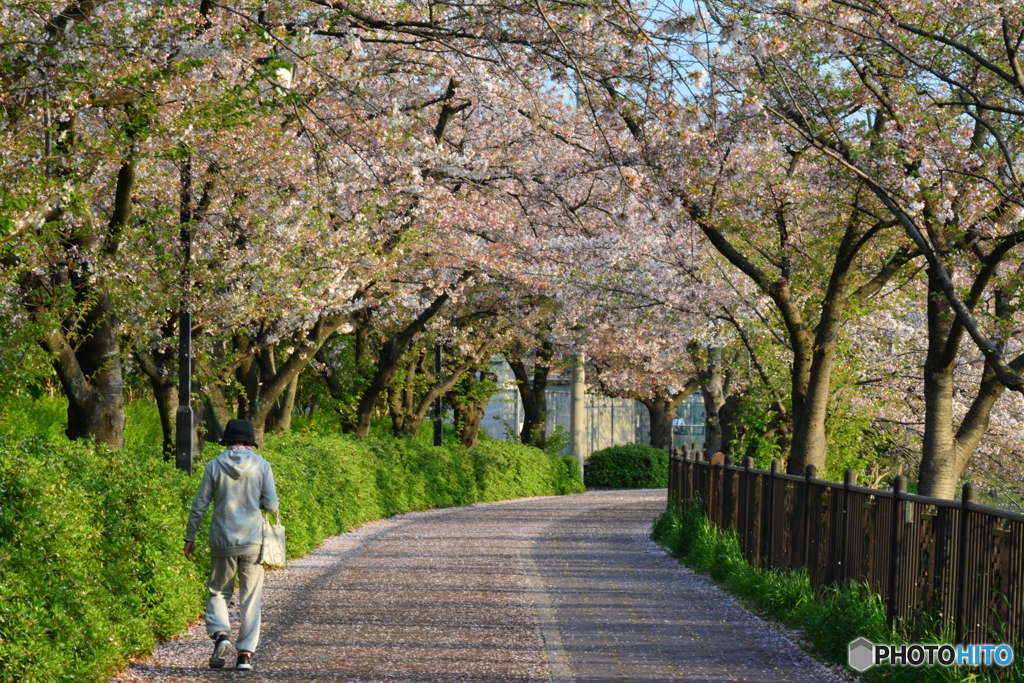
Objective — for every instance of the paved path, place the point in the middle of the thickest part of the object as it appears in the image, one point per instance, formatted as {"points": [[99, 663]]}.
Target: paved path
{"points": [[560, 590]]}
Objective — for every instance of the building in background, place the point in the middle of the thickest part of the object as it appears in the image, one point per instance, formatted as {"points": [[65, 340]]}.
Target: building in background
{"points": [[689, 425], [610, 421]]}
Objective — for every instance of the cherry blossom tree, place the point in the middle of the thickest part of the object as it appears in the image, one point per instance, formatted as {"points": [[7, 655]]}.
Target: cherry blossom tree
{"points": [[807, 239], [920, 106], [200, 122]]}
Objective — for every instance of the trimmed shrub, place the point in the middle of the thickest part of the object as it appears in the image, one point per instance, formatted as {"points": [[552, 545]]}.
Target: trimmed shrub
{"points": [[502, 471], [91, 565], [90, 559], [630, 466]]}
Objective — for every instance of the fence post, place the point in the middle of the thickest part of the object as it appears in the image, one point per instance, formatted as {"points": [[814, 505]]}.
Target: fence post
{"points": [[808, 475], [671, 473], [899, 491], [849, 479], [681, 476], [716, 469], [684, 484], [708, 478], [673, 493], [702, 480], [970, 496], [727, 500], [747, 514], [770, 549], [693, 477]]}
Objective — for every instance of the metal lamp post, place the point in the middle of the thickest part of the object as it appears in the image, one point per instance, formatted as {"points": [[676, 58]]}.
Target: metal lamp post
{"points": [[185, 445], [185, 422], [438, 406], [184, 452]]}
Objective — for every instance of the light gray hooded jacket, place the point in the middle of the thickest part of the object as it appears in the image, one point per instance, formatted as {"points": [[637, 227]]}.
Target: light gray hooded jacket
{"points": [[240, 483]]}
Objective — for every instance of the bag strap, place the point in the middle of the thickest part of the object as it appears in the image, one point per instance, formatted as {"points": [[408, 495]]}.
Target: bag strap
{"points": [[277, 514]]}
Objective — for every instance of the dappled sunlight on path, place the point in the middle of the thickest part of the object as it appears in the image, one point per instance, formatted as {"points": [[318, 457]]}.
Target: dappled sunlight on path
{"points": [[545, 589]]}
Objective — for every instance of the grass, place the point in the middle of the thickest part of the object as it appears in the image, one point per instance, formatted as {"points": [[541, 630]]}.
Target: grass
{"points": [[829, 619]]}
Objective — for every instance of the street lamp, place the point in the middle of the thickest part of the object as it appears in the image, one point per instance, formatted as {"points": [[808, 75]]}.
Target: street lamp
{"points": [[438, 406], [278, 70], [185, 445], [282, 72]]}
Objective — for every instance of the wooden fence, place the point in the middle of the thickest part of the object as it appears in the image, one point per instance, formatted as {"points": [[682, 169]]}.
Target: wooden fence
{"points": [[957, 561]]}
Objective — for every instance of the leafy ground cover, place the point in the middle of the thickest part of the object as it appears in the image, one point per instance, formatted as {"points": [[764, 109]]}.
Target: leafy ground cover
{"points": [[91, 569], [828, 619], [630, 466]]}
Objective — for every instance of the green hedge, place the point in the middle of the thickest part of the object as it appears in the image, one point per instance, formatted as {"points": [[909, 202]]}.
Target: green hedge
{"points": [[630, 466], [91, 569]]}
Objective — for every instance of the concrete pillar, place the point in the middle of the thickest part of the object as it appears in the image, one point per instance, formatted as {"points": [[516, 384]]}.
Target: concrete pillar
{"points": [[578, 419]]}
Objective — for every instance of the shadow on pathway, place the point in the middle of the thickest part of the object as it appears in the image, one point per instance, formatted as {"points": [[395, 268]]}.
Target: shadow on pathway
{"points": [[564, 589]]}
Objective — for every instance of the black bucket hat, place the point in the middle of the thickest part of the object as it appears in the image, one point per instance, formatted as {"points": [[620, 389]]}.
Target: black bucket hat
{"points": [[239, 431]]}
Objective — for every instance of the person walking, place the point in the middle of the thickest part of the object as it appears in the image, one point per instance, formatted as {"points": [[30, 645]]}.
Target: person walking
{"points": [[240, 483]]}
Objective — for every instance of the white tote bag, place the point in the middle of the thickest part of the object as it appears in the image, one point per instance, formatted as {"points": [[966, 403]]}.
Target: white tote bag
{"points": [[273, 554]]}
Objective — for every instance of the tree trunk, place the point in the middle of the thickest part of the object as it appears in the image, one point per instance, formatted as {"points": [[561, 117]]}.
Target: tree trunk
{"points": [[246, 376], [362, 319], [944, 454], [938, 476], [337, 390], [801, 340], [387, 364], [330, 376], [938, 473], [661, 414], [810, 444], [727, 420], [439, 389], [266, 383], [215, 414], [813, 345], [167, 405], [469, 399], [282, 418], [101, 417], [268, 388], [533, 394], [90, 375], [402, 400], [472, 415], [714, 400], [157, 367], [89, 369], [266, 360], [662, 410]]}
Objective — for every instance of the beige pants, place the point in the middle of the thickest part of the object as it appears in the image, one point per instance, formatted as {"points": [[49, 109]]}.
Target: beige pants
{"points": [[250, 597]]}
